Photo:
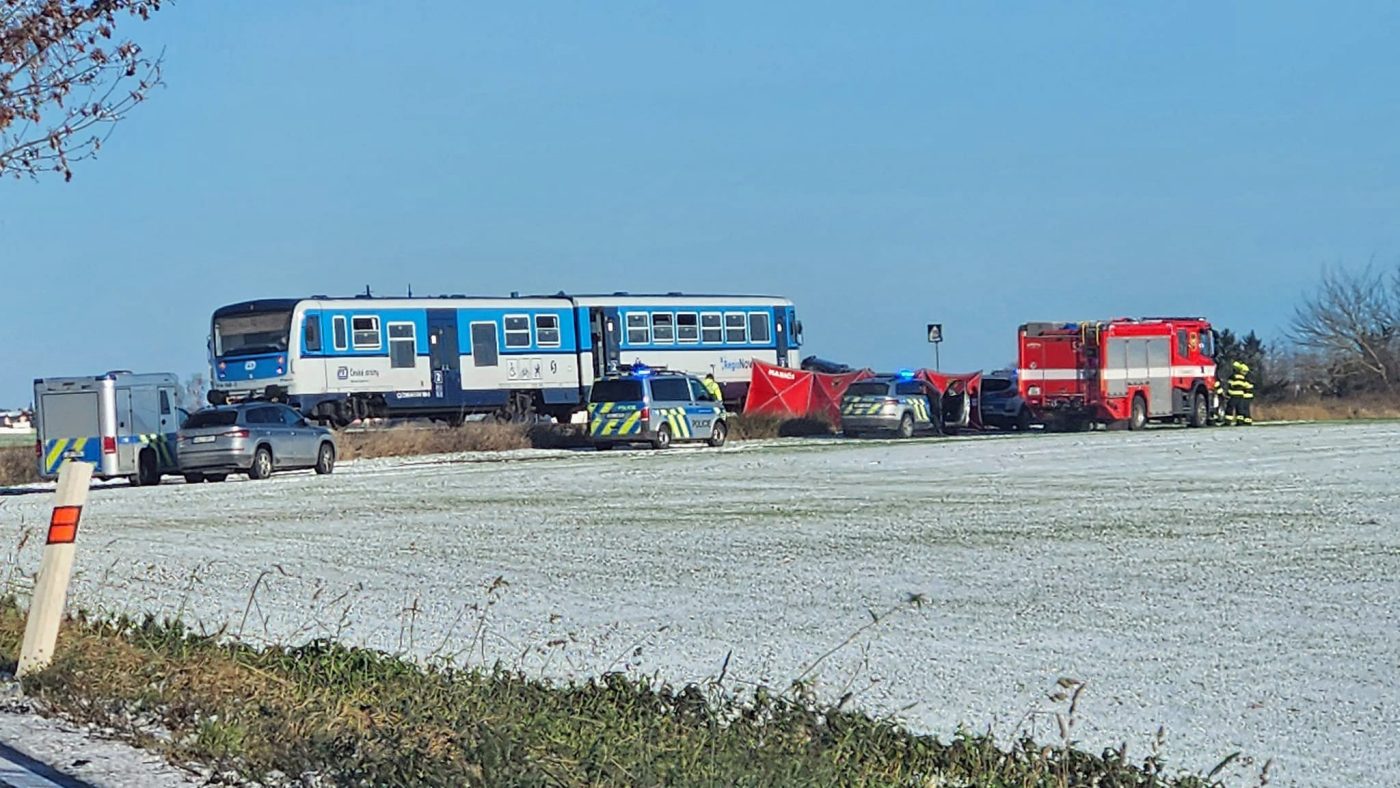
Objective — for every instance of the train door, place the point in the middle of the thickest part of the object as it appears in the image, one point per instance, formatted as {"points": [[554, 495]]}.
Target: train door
{"points": [[444, 353], [782, 324], [606, 334]]}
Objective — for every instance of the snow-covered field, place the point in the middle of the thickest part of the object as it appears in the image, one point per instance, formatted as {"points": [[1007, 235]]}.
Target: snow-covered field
{"points": [[1239, 587]]}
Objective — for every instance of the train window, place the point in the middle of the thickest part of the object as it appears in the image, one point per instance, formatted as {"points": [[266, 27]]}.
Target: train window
{"points": [[735, 329], [547, 330], [758, 328], [339, 336], [663, 328], [711, 327], [517, 330], [403, 346], [485, 353], [311, 333], [638, 328], [687, 327], [365, 332]]}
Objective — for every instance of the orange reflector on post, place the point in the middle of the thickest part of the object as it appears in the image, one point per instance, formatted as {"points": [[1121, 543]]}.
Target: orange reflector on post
{"points": [[63, 526]]}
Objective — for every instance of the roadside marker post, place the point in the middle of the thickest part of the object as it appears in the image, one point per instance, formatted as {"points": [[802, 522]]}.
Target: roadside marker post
{"points": [[55, 568]]}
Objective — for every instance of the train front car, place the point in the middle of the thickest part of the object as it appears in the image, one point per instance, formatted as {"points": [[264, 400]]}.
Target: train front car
{"points": [[250, 349]]}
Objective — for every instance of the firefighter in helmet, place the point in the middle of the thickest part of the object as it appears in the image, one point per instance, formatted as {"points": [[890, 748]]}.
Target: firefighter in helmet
{"points": [[1241, 393]]}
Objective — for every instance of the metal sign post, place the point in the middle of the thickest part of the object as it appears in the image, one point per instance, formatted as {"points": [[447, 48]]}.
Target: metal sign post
{"points": [[55, 569], [935, 338]]}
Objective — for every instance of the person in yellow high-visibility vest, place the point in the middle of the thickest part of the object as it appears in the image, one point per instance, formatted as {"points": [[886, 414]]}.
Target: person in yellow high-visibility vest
{"points": [[713, 387], [1241, 393]]}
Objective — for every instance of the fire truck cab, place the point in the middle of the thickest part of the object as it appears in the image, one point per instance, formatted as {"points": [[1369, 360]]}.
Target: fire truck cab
{"points": [[1118, 372]]}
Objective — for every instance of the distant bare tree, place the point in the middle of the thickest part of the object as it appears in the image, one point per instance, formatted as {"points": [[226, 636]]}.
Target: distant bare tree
{"points": [[65, 80], [1353, 321]]}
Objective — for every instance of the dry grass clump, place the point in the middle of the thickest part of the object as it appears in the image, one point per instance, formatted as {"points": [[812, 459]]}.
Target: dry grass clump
{"points": [[1327, 410], [752, 426], [349, 716], [18, 466], [470, 437]]}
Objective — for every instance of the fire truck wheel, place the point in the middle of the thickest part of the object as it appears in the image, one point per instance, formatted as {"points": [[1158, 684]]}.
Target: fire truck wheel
{"points": [[906, 426], [1138, 419], [1200, 414]]}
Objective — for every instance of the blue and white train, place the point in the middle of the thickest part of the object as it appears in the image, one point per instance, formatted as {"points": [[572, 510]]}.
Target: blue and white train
{"points": [[340, 359]]}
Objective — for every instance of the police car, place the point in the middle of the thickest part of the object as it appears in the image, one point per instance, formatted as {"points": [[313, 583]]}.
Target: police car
{"points": [[900, 404], [656, 406]]}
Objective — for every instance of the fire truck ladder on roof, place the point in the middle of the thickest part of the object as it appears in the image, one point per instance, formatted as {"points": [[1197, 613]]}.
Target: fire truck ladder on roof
{"points": [[1089, 333]]}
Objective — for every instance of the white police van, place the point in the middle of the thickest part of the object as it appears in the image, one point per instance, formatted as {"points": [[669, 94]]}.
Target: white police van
{"points": [[655, 406], [125, 424]]}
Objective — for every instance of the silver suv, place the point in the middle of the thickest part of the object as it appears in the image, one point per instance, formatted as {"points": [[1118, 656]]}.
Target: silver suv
{"points": [[656, 407], [255, 438]]}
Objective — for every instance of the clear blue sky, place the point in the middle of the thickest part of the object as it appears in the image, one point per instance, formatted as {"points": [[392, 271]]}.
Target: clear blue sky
{"points": [[884, 165]]}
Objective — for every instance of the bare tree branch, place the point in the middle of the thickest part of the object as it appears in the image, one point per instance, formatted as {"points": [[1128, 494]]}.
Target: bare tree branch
{"points": [[65, 81], [1353, 321]]}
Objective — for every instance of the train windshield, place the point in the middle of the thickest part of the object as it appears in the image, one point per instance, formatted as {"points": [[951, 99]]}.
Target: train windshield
{"points": [[616, 391], [249, 334]]}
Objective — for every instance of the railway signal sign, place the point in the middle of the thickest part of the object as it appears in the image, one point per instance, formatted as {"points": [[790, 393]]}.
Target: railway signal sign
{"points": [[935, 338]]}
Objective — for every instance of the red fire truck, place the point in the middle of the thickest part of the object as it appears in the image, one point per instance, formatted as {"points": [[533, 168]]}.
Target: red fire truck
{"points": [[1121, 371]]}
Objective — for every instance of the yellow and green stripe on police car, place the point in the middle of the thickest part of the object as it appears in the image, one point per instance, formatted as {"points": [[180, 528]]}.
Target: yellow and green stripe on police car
{"points": [[613, 418]]}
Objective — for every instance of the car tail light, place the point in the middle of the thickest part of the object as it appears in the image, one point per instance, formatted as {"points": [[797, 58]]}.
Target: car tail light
{"points": [[891, 401], [234, 434], [38, 448], [646, 414], [109, 444]]}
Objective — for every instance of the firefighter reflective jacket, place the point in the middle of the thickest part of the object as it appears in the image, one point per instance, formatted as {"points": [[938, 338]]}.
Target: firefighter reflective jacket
{"points": [[1239, 382]]}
